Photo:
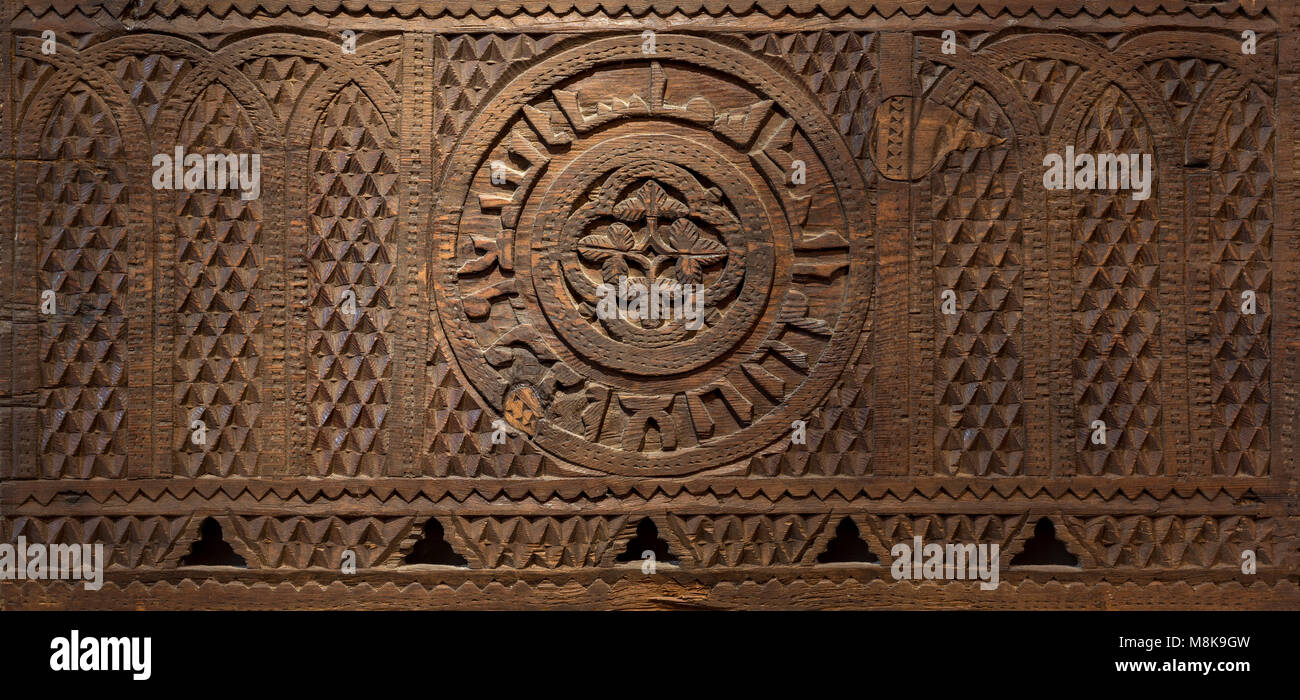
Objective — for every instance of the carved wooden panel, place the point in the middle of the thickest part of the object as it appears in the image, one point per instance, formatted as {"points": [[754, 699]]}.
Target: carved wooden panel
{"points": [[386, 377]]}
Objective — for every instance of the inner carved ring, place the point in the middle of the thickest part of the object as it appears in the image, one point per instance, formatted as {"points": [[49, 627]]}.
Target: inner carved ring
{"points": [[710, 198]]}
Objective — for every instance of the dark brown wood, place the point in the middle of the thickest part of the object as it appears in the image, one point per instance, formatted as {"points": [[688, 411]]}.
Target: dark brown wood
{"points": [[399, 339]]}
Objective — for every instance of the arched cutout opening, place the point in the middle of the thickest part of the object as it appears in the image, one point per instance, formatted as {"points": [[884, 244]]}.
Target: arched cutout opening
{"points": [[211, 549], [847, 546], [647, 540], [433, 548], [1044, 549]]}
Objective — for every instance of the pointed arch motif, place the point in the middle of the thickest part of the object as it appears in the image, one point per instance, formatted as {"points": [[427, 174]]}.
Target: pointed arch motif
{"points": [[218, 300], [976, 207], [83, 198], [1117, 365], [1241, 244], [353, 207]]}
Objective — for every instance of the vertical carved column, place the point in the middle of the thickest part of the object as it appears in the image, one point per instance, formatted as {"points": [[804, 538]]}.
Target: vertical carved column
{"points": [[894, 412], [1199, 313], [25, 299], [153, 77], [411, 283], [1038, 85], [1286, 256], [145, 309], [1061, 344], [28, 72], [8, 306]]}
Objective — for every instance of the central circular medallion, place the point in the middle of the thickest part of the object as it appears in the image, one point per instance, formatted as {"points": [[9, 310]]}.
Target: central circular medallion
{"points": [[670, 215], [651, 264]]}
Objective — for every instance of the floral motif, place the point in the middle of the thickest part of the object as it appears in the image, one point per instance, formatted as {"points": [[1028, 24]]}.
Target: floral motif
{"points": [[681, 246]]}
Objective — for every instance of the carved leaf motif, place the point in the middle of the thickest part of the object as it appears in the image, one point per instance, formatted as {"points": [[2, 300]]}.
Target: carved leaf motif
{"points": [[667, 286], [649, 201], [694, 250], [599, 247], [609, 248]]}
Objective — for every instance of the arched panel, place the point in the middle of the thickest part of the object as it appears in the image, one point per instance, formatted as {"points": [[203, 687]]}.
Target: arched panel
{"points": [[352, 200], [1117, 363], [219, 332], [82, 194], [976, 208], [1241, 240]]}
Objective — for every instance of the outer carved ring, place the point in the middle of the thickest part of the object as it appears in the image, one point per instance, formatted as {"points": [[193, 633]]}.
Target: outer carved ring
{"points": [[473, 150]]}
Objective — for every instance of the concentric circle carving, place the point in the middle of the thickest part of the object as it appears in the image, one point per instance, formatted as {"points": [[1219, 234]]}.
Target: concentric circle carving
{"points": [[696, 168]]}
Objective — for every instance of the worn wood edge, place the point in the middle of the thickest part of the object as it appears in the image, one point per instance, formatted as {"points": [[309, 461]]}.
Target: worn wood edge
{"points": [[650, 593]]}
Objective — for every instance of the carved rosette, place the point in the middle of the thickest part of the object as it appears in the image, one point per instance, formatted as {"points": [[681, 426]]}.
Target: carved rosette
{"points": [[696, 164]]}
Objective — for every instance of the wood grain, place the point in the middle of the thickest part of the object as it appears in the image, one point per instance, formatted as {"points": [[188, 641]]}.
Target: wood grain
{"points": [[825, 172]]}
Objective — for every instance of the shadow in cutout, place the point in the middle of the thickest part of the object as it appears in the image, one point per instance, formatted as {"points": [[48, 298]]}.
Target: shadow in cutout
{"points": [[847, 546], [1043, 549], [211, 548], [433, 548], [647, 538]]}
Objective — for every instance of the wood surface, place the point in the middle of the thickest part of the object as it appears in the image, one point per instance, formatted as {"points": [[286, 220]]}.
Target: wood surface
{"points": [[371, 433]]}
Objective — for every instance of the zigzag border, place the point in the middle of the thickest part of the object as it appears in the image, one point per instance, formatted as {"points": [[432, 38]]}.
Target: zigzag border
{"points": [[44, 493], [461, 9]]}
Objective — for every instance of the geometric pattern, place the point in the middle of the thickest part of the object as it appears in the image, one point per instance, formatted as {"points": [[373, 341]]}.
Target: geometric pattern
{"points": [[758, 540], [1117, 319], [82, 192], [458, 434], [1182, 82], [219, 314], [838, 434], [148, 78], [353, 205], [1241, 239], [1002, 530], [976, 212], [27, 73], [840, 68], [465, 66], [301, 542], [1175, 542], [1042, 82], [130, 542], [282, 79], [549, 543]]}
